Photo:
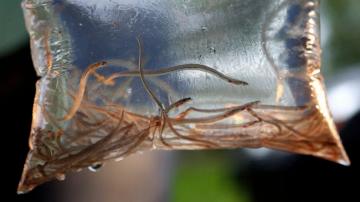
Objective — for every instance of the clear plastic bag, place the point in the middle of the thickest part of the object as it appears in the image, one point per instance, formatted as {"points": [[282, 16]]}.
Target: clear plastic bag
{"points": [[123, 76]]}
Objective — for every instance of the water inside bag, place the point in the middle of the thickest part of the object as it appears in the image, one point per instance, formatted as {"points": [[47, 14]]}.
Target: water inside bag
{"points": [[124, 76]]}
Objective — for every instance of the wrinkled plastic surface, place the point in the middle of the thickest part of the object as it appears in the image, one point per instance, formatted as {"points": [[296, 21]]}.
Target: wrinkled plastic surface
{"points": [[123, 76]]}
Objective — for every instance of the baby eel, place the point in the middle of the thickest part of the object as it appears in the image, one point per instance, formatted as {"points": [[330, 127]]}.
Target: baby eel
{"points": [[163, 119], [82, 86], [167, 70]]}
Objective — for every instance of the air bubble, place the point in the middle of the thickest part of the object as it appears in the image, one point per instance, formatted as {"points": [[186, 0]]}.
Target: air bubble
{"points": [[96, 167], [119, 159], [60, 177]]}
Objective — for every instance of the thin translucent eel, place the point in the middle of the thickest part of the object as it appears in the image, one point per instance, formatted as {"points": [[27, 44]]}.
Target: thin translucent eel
{"points": [[82, 156], [164, 119], [119, 145], [253, 105], [92, 159], [227, 126], [88, 105], [63, 161], [122, 89], [92, 149], [82, 87], [93, 67], [93, 128], [131, 117], [270, 59], [227, 112], [167, 70], [218, 110], [278, 123], [79, 134], [132, 66], [109, 81], [165, 87]]}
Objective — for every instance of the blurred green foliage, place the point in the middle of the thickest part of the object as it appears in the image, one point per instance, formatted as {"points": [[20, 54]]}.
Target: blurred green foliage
{"points": [[12, 28], [206, 177], [344, 42]]}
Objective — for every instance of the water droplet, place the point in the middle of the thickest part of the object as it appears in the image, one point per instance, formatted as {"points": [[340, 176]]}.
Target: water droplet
{"points": [[119, 159], [204, 29], [96, 167], [129, 90], [212, 50], [60, 177]]}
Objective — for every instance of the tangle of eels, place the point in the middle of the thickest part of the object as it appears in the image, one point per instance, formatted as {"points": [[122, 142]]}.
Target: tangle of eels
{"points": [[93, 67], [163, 119]]}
